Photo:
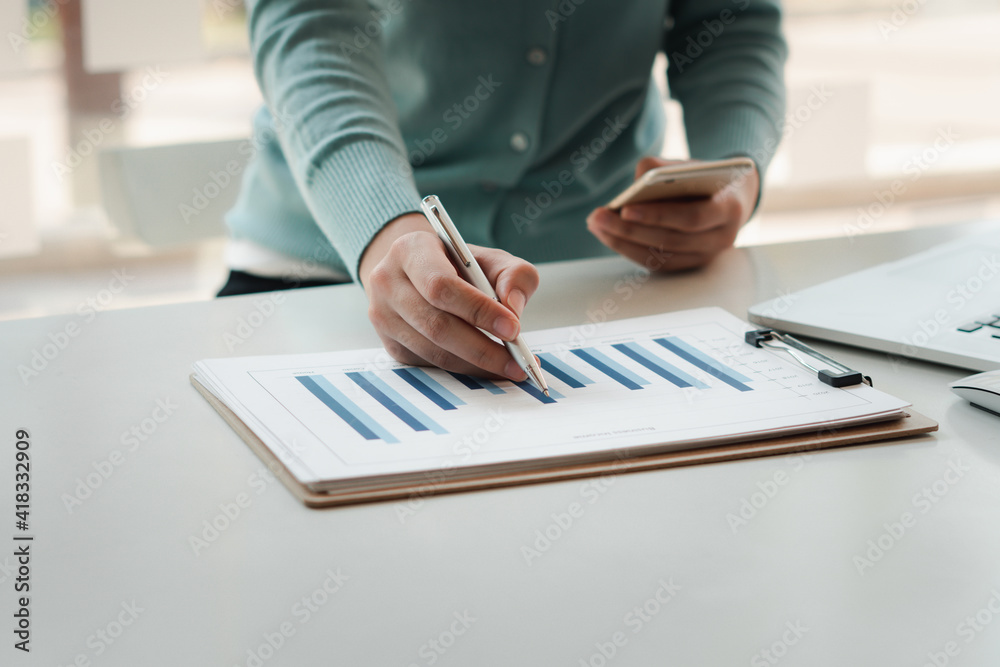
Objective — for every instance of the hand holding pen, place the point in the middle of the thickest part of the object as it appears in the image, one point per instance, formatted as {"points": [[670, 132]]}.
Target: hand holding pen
{"points": [[426, 313], [467, 265]]}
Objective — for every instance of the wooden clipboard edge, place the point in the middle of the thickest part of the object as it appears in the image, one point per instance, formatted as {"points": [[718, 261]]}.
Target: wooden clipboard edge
{"points": [[913, 423]]}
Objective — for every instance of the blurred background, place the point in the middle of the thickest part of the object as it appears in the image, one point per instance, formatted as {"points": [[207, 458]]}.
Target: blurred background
{"points": [[124, 129]]}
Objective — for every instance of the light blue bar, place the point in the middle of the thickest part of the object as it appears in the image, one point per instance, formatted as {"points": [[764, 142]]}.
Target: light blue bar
{"points": [[565, 368], [715, 363], [710, 366], [410, 408], [666, 367], [442, 391], [600, 356], [607, 370], [351, 407], [555, 394], [490, 387], [419, 385]]}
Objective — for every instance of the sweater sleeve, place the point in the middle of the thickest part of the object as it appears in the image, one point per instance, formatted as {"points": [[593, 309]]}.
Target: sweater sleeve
{"points": [[322, 79], [726, 61]]}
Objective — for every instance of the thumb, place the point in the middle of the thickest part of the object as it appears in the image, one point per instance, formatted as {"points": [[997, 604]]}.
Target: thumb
{"points": [[513, 279]]}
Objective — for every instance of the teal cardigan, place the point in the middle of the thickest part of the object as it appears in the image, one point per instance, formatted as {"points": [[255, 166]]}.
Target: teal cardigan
{"points": [[522, 115]]}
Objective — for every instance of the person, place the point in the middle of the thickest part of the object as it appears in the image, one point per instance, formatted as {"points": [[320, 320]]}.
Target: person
{"points": [[523, 116]]}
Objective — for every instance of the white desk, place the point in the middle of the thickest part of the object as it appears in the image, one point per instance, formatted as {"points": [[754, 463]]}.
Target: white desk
{"points": [[411, 577]]}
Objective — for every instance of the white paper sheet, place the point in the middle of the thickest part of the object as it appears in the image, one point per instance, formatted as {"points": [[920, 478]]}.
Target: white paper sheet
{"points": [[344, 416]]}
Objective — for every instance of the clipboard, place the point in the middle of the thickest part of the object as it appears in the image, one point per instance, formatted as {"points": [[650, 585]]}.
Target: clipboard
{"points": [[912, 424]]}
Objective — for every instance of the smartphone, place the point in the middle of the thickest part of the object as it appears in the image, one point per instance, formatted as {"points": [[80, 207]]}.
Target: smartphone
{"points": [[683, 181]]}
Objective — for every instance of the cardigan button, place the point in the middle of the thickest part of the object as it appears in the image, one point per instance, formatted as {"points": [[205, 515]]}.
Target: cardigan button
{"points": [[519, 142], [537, 56]]}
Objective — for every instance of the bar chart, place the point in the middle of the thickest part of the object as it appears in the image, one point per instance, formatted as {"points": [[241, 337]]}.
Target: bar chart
{"points": [[607, 362], [603, 387], [672, 378]]}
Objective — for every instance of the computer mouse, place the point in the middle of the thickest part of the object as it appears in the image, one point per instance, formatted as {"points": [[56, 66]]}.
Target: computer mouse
{"points": [[982, 390]]}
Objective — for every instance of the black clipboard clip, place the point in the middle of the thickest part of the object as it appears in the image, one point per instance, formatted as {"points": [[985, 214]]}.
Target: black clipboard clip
{"points": [[836, 374]]}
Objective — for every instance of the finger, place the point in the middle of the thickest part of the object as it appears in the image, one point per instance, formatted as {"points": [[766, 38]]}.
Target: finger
{"points": [[514, 279], [653, 259], [437, 280], [409, 345], [400, 352], [693, 215], [443, 337], [711, 241]]}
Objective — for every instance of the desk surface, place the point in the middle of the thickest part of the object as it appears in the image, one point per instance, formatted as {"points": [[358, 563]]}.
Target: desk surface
{"points": [[160, 539]]}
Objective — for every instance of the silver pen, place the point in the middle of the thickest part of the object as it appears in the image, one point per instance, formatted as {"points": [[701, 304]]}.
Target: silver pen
{"points": [[473, 273]]}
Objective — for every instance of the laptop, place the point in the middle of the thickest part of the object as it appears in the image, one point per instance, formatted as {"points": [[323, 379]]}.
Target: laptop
{"points": [[941, 305]]}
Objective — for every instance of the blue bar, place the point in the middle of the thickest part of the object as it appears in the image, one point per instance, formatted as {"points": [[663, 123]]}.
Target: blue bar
{"points": [[423, 388], [469, 382], [490, 387], [425, 377], [707, 364], [393, 402], [532, 390], [345, 408], [611, 363], [605, 368], [413, 411], [564, 372], [477, 383], [658, 366]]}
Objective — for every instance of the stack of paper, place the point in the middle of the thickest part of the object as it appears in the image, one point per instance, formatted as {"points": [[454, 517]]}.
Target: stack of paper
{"points": [[357, 420]]}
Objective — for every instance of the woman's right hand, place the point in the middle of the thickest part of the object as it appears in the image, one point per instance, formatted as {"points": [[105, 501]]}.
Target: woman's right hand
{"points": [[427, 314]]}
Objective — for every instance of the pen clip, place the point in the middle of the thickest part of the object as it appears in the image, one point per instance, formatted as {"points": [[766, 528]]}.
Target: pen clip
{"points": [[460, 249]]}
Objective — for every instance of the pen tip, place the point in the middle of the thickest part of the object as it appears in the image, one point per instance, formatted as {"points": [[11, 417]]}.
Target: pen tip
{"points": [[546, 392]]}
